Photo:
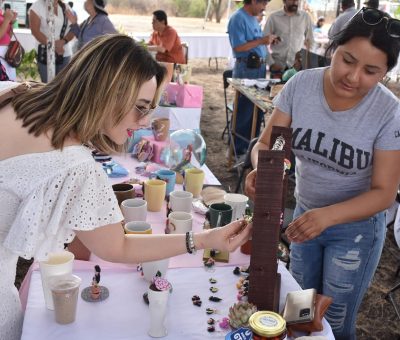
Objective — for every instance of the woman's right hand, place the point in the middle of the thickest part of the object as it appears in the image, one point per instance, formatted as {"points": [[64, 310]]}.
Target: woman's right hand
{"points": [[9, 15], [250, 184]]}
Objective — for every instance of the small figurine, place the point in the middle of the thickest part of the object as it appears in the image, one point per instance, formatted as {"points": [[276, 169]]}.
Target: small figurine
{"points": [[95, 292], [95, 289]]}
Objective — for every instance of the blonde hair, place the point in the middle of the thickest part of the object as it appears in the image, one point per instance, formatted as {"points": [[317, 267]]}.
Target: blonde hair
{"points": [[102, 79]]}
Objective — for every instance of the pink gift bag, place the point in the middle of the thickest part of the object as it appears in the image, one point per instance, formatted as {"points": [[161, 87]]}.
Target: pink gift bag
{"points": [[189, 96]]}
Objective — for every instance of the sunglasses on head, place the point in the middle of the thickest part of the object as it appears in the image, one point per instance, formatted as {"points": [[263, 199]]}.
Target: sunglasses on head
{"points": [[373, 16]]}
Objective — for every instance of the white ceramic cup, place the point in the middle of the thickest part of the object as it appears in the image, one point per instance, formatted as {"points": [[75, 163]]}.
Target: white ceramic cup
{"points": [[158, 301], [151, 268], [238, 202], [57, 264], [134, 209], [181, 201], [179, 222]]}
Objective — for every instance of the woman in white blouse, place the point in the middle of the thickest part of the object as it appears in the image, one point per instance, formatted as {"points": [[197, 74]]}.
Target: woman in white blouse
{"points": [[52, 190]]}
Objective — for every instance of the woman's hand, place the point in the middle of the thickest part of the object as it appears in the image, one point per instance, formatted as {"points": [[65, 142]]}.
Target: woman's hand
{"points": [[71, 17], [9, 15], [229, 237], [308, 226], [59, 46], [250, 184]]}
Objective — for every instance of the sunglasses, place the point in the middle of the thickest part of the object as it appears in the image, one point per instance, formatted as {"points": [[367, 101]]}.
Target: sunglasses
{"points": [[372, 17], [145, 112]]}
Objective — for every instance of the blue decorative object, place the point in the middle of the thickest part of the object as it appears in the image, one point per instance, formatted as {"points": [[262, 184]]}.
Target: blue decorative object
{"points": [[186, 146], [242, 333], [113, 169]]}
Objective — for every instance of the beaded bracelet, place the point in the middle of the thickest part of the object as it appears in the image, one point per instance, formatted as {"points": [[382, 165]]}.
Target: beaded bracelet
{"points": [[190, 247]]}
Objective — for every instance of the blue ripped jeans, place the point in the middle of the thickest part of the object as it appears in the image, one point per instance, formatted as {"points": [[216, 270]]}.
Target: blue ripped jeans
{"points": [[244, 116], [340, 263]]}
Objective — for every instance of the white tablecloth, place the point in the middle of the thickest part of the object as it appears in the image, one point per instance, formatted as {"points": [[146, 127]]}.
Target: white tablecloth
{"points": [[180, 117], [206, 45], [125, 316]]}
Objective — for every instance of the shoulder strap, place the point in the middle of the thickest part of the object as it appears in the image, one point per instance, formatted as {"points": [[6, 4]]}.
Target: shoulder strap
{"points": [[6, 97], [64, 26]]}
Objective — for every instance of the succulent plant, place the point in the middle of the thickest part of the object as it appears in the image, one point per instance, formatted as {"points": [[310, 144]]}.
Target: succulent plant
{"points": [[240, 313]]}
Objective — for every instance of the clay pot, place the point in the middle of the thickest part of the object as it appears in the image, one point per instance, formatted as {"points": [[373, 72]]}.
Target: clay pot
{"points": [[246, 248], [95, 292]]}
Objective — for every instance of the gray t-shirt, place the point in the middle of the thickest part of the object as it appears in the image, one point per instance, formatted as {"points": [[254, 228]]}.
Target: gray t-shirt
{"points": [[334, 150]]}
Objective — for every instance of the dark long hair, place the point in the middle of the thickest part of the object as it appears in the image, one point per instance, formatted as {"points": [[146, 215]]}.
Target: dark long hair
{"points": [[376, 34]]}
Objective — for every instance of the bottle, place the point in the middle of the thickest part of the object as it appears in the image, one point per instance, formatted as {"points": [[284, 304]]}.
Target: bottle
{"points": [[268, 326]]}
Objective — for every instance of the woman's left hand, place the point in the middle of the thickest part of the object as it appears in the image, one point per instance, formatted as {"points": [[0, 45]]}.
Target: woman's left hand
{"points": [[308, 226]]}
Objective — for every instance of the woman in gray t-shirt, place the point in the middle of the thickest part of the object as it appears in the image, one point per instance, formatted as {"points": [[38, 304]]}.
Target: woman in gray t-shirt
{"points": [[346, 139]]}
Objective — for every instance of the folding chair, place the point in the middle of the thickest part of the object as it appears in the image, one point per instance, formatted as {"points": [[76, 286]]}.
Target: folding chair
{"points": [[228, 105], [246, 164]]}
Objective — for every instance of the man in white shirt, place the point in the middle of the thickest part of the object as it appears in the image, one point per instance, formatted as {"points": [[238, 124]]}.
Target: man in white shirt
{"points": [[349, 9], [294, 28]]}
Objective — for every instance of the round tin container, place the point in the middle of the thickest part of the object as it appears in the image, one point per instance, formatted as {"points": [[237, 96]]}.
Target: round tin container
{"points": [[267, 325]]}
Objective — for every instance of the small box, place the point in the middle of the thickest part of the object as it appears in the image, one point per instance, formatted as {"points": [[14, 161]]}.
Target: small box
{"points": [[189, 96]]}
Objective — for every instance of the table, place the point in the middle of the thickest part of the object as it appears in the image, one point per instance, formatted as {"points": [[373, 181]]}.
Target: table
{"points": [[260, 99], [123, 315], [201, 45]]}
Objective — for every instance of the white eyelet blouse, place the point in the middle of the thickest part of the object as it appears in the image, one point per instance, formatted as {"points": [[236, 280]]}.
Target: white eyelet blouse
{"points": [[44, 197]]}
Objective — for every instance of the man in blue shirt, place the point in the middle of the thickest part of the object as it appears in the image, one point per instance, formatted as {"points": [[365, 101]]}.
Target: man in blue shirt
{"points": [[250, 51]]}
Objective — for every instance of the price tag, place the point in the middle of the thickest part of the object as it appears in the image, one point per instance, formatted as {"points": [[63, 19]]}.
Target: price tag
{"points": [[240, 334]]}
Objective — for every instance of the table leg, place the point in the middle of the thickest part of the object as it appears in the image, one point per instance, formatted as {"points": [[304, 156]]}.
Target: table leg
{"points": [[233, 129], [254, 123]]}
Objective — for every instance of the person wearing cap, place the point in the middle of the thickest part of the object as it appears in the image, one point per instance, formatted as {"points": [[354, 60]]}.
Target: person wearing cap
{"points": [[96, 24], [165, 40], [41, 32], [372, 4], [248, 43], [349, 9]]}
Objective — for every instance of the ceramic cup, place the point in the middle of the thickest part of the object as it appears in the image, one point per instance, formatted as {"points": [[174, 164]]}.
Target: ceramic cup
{"points": [[123, 191], [138, 227], [181, 201], [151, 268], [194, 179], [65, 292], [134, 209], [158, 301], [179, 222], [238, 202], [154, 194], [57, 264], [168, 176], [160, 128], [219, 214]]}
